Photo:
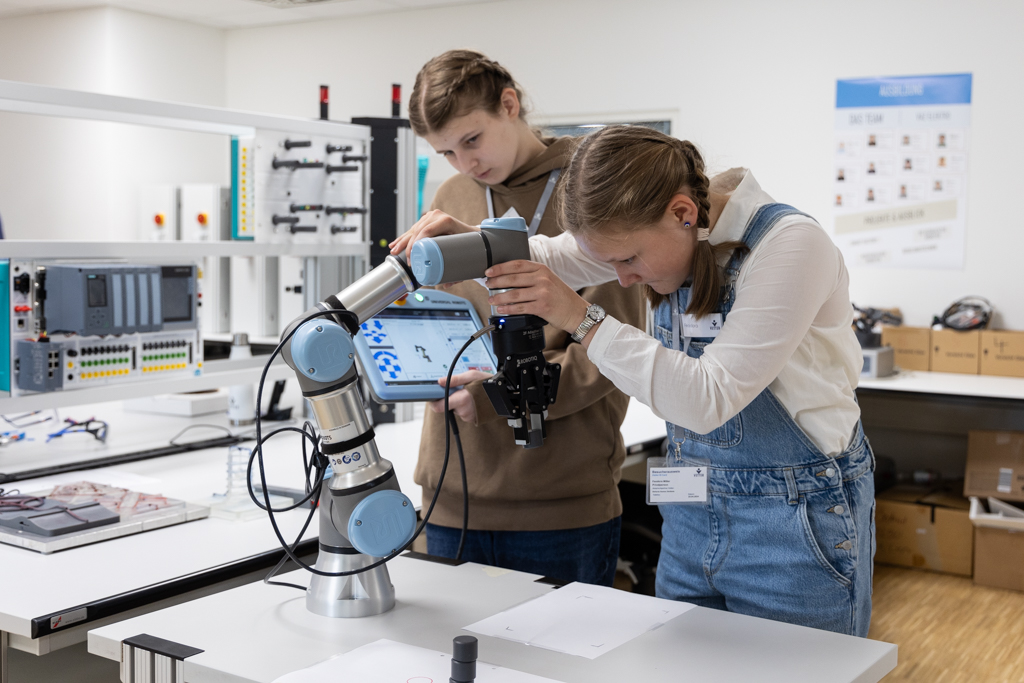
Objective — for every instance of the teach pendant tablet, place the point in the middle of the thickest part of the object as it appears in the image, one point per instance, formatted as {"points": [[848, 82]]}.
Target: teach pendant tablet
{"points": [[411, 344]]}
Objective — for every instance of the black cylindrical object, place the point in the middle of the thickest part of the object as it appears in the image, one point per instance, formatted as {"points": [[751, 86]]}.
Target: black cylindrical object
{"points": [[516, 334], [464, 654]]}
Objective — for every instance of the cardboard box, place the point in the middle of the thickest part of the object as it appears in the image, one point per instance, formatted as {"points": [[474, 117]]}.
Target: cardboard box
{"points": [[995, 465], [998, 547], [1002, 353], [911, 346], [956, 351], [924, 529]]}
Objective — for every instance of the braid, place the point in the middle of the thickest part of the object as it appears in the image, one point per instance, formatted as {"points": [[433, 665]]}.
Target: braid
{"points": [[697, 181], [455, 83], [469, 70], [622, 178]]}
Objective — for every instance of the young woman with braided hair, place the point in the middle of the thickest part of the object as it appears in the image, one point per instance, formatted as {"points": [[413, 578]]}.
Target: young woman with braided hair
{"points": [[752, 363], [553, 510]]}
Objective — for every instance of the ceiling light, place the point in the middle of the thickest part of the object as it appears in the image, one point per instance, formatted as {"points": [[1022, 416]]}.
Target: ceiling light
{"points": [[284, 4]]}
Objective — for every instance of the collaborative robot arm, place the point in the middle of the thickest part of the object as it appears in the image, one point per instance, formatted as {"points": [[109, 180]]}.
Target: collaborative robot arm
{"points": [[363, 514]]}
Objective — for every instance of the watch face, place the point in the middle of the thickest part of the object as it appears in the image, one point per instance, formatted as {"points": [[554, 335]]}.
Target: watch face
{"points": [[595, 313]]}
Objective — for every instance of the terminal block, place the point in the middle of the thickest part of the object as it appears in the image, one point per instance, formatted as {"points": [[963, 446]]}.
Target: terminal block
{"points": [[40, 366]]}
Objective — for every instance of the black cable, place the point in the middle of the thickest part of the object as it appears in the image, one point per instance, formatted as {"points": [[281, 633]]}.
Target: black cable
{"points": [[968, 313], [252, 456], [197, 426], [465, 485], [298, 540], [258, 450]]}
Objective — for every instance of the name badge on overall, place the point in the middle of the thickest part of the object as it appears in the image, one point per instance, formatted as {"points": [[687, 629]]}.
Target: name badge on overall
{"points": [[671, 484], [708, 327]]}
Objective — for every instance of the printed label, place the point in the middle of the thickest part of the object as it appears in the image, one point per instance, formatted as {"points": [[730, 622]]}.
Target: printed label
{"points": [[68, 618], [708, 326], [345, 432], [677, 485], [1005, 484]]}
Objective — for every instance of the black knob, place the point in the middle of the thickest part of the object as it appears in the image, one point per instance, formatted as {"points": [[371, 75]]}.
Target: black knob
{"points": [[464, 653], [289, 144]]}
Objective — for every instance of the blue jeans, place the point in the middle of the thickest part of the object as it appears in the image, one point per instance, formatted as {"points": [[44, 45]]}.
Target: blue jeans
{"points": [[588, 555], [791, 544]]}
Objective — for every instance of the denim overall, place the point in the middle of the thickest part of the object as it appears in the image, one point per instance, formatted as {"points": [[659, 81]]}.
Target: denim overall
{"points": [[787, 532]]}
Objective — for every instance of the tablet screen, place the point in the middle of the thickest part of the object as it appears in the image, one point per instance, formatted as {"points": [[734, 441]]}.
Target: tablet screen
{"points": [[416, 345]]}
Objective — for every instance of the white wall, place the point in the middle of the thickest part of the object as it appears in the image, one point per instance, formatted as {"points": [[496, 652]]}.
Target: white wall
{"points": [[71, 179], [753, 82]]}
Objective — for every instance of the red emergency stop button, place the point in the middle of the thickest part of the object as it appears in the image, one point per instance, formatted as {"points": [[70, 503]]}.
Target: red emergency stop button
{"points": [[202, 218], [158, 219]]}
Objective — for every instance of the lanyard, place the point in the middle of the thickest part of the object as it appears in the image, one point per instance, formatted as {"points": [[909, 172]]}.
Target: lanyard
{"points": [[541, 205], [674, 302]]}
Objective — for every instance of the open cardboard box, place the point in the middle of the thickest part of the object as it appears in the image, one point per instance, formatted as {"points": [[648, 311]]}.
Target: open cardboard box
{"points": [[924, 528], [998, 544]]}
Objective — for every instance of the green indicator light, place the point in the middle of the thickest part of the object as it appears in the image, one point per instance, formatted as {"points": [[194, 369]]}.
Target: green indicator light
{"points": [[418, 296]]}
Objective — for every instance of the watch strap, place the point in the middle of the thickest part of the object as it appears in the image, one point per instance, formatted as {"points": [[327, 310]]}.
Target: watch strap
{"points": [[582, 330]]}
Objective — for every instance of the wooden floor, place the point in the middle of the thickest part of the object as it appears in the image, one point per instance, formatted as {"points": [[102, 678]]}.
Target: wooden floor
{"points": [[948, 630]]}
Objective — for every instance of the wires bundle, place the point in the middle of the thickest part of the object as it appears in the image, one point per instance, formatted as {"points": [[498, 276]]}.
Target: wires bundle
{"points": [[316, 464], [968, 313]]}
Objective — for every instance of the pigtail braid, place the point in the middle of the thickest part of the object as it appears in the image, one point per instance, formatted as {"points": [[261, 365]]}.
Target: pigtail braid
{"points": [[706, 277], [626, 176], [455, 83], [698, 182]]}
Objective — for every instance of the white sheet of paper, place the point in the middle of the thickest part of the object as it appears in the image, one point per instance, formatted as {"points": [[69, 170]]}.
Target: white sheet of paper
{"points": [[581, 619], [385, 661]]}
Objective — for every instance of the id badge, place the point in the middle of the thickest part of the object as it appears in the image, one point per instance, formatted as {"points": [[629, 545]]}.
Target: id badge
{"points": [[708, 327], [669, 484]]}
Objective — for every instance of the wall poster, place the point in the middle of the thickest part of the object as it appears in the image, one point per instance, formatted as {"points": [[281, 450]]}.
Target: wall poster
{"points": [[900, 176]]}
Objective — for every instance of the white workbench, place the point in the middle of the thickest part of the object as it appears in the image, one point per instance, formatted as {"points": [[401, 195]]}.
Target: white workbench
{"points": [[135, 574], [257, 633], [128, 573], [950, 384]]}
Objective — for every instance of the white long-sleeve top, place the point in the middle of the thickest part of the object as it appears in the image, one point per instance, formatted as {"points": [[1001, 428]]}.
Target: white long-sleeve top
{"points": [[789, 329]]}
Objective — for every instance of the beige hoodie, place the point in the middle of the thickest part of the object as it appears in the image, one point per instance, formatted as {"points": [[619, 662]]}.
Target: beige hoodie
{"points": [[571, 481]]}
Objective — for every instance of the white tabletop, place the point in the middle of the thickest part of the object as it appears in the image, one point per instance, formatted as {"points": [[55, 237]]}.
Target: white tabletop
{"points": [[952, 384], [90, 573], [63, 580], [270, 633]]}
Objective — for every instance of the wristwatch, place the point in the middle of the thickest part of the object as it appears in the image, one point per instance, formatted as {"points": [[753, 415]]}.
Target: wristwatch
{"points": [[595, 314]]}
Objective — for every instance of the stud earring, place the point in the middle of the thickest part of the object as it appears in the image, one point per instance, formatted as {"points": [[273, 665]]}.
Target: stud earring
{"points": [[686, 225]]}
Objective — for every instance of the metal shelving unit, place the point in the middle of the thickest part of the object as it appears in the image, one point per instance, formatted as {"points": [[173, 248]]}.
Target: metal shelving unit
{"points": [[216, 374], [59, 249], [327, 267]]}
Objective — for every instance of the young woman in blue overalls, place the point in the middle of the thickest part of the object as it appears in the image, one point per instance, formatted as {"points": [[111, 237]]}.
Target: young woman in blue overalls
{"points": [[752, 363]]}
